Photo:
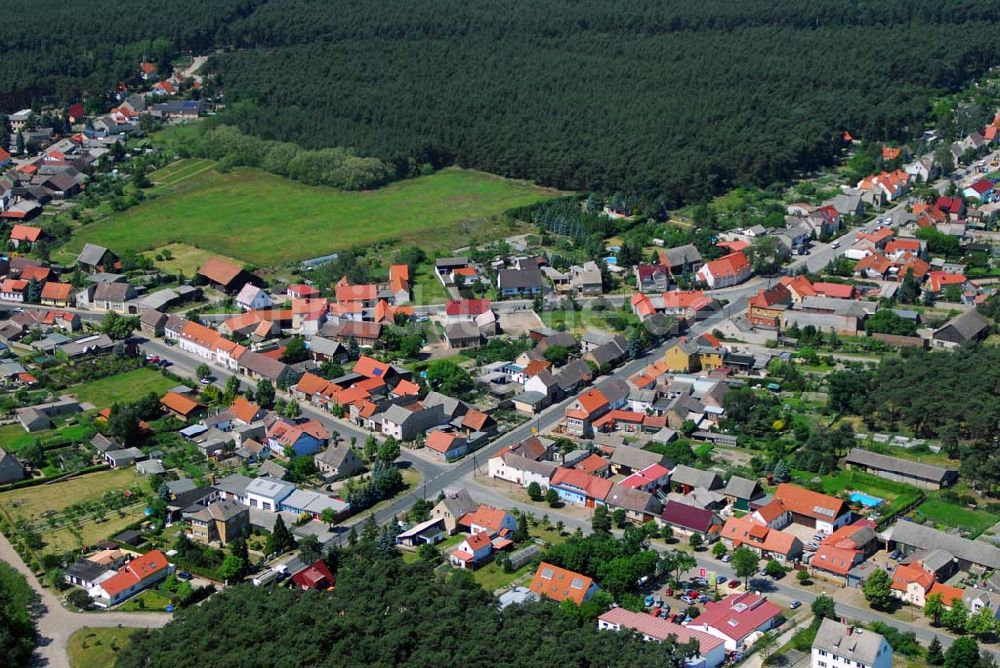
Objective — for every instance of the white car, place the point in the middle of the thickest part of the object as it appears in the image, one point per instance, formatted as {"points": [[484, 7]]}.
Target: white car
{"points": [[835, 244]]}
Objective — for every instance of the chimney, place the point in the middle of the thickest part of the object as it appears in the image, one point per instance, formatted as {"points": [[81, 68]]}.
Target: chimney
{"points": [[850, 630]]}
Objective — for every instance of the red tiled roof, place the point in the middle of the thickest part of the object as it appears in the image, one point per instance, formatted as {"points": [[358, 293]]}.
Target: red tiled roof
{"points": [[560, 584], [442, 441], [592, 486], [682, 298], [728, 265], [371, 367], [907, 573], [738, 615], [179, 404], [485, 516], [653, 627], [219, 271], [244, 410], [25, 233], [592, 401], [805, 502], [406, 388], [472, 307], [352, 293], [838, 290], [37, 273], [57, 291], [592, 464]]}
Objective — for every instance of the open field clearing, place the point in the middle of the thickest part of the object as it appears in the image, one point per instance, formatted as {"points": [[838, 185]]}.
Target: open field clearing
{"points": [[268, 220], [128, 386]]}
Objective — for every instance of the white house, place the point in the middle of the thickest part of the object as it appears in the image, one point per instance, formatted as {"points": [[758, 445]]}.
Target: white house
{"points": [[738, 620], [841, 646], [727, 271], [268, 493], [521, 470], [252, 297], [472, 551], [711, 650]]}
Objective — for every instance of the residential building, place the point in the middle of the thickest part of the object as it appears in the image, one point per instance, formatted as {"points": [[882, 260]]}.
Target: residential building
{"points": [[220, 522], [578, 488], [688, 520], [711, 650], [839, 645], [471, 552], [520, 282], [338, 461], [11, 469], [267, 493], [560, 584], [969, 326], [738, 620], [455, 505], [727, 271], [823, 512], [768, 542], [910, 537], [138, 574]]}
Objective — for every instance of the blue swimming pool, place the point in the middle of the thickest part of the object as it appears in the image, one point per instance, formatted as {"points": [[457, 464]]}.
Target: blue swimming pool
{"points": [[866, 500]]}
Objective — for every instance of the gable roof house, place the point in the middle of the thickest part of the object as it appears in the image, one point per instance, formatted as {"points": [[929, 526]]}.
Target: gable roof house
{"points": [[681, 259], [727, 271], [10, 468], [560, 584], [226, 276], [578, 488], [823, 512], [138, 574], [447, 444], [686, 478], [585, 409], [711, 650], [738, 620], [765, 540], [410, 421], [517, 468], [901, 470], [520, 282], [851, 646], [969, 326], [113, 297], [455, 505], [688, 520], [339, 460]]}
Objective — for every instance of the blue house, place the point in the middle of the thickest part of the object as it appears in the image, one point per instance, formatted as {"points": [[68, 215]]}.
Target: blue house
{"points": [[578, 488], [520, 282], [303, 438]]}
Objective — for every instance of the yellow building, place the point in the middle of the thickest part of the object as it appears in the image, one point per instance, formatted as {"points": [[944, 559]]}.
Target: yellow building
{"points": [[682, 357]]}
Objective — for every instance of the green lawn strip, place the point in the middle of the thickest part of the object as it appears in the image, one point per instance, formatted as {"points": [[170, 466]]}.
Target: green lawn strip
{"points": [[895, 495], [268, 220], [427, 287], [97, 647], [492, 576], [150, 600], [946, 514], [14, 437], [128, 386]]}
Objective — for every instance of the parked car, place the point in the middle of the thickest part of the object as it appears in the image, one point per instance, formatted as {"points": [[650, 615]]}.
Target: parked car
{"points": [[726, 558], [676, 619], [687, 599], [795, 604], [184, 575], [703, 599], [693, 593], [669, 591], [733, 584], [720, 580], [894, 555], [648, 601]]}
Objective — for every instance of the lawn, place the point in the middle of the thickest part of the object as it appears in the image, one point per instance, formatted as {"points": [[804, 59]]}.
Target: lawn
{"points": [[97, 647], [268, 220], [492, 577], [14, 437], [947, 514], [183, 258], [896, 495], [610, 320], [127, 386], [427, 287], [34, 504], [149, 600]]}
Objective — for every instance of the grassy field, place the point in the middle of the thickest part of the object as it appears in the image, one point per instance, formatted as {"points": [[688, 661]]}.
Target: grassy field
{"points": [[427, 287], [34, 504], [14, 437], [895, 495], [123, 387], [183, 257], [492, 577], [947, 514], [97, 647], [149, 600], [268, 220]]}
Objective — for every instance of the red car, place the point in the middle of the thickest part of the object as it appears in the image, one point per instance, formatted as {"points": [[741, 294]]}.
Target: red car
{"points": [[693, 593], [669, 592], [733, 584]]}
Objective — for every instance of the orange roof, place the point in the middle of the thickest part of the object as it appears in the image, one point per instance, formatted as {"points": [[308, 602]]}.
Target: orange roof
{"points": [[399, 277], [25, 233], [243, 321], [835, 559], [890, 152], [747, 531], [350, 293], [769, 297], [560, 584], [802, 501], [728, 265], [406, 388], [11, 285], [219, 271], [733, 246], [371, 367], [350, 395], [370, 384], [474, 419], [592, 464], [771, 511], [310, 383], [179, 404], [535, 367], [879, 235], [899, 245], [37, 273], [876, 262], [57, 291], [489, 517], [478, 541], [682, 298], [147, 68], [135, 572], [592, 401], [948, 593], [800, 285], [642, 305], [907, 573], [939, 280], [591, 485], [244, 410], [309, 305], [441, 441]]}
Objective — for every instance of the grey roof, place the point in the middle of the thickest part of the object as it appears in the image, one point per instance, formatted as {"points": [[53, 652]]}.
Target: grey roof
{"points": [[450, 405], [573, 374], [323, 346], [897, 465], [839, 306], [985, 597], [159, 299], [220, 510], [968, 325], [272, 469], [607, 353], [265, 366], [233, 484], [687, 254], [181, 486], [853, 643], [614, 388], [596, 338], [634, 458], [104, 444], [522, 463], [459, 503], [451, 262], [517, 279], [530, 398], [10, 467], [928, 538], [741, 488], [153, 318], [334, 455], [636, 500], [150, 467], [270, 488], [686, 475], [112, 292], [461, 330], [86, 570], [91, 254]]}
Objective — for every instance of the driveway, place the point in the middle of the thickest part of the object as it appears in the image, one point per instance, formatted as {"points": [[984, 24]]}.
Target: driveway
{"points": [[56, 624]]}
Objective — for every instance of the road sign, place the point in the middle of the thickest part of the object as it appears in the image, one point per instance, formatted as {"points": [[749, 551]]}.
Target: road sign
{"points": [[702, 572]]}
